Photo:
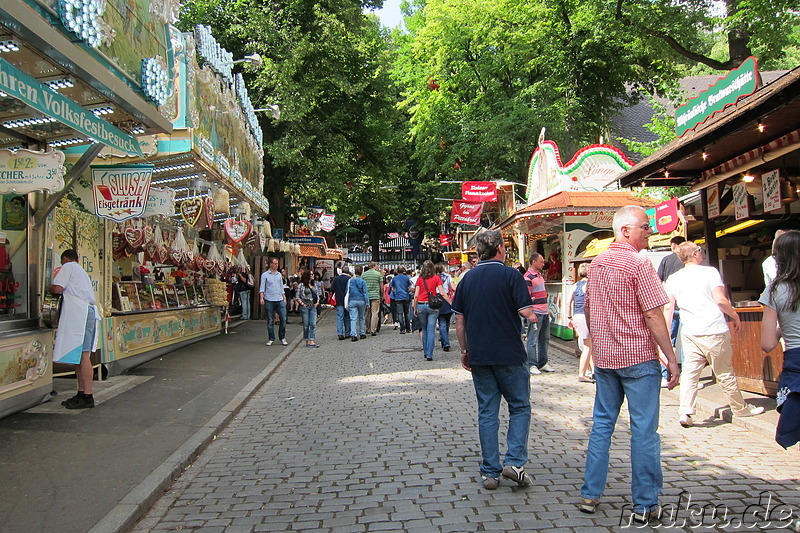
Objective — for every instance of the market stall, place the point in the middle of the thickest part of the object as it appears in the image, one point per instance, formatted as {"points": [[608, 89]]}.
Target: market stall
{"points": [[737, 146], [71, 76], [569, 207]]}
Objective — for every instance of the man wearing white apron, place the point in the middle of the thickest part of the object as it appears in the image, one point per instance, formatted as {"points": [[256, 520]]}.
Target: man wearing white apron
{"points": [[76, 338]]}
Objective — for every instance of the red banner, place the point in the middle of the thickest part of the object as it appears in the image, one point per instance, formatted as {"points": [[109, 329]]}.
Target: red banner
{"points": [[667, 216], [445, 239], [466, 213], [479, 191]]}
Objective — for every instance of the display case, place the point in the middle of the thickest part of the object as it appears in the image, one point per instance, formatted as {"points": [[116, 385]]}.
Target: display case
{"points": [[137, 297]]}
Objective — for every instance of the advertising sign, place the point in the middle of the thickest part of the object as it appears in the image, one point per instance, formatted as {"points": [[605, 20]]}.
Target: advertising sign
{"points": [[161, 201], [713, 200], [121, 191], [466, 213], [771, 185], [739, 82], [479, 191], [740, 201], [667, 216], [445, 239], [23, 171], [42, 98]]}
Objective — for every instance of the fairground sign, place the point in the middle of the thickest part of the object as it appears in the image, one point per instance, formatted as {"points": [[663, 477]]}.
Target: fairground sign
{"points": [[121, 191], [726, 91], [19, 85]]}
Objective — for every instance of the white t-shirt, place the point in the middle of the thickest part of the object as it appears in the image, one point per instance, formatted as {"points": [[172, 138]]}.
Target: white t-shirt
{"points": [[770, 269], [75, 281], [692, 288]]}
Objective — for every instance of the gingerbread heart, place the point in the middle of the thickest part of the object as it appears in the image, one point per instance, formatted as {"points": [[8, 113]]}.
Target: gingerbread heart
{"points": [[176, 257], [118, 243], [209, 266], [192, 210], [161, 255], [209, 211], [150, 251], [135, 237], [199, 261], [149, 233], [237, 230]]}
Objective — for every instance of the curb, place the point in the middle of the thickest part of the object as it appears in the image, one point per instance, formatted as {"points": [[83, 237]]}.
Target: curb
{"points": [[139, 500]]}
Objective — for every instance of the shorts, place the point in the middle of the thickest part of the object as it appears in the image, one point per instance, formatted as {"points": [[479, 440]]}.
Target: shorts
{"points": [[579, 321], [91, 327]]}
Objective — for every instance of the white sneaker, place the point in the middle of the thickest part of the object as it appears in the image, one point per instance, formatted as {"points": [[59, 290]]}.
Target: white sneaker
{"points": [[283, 341], [269, 343], [751, 410], [686, 421], [535, 371], [547, 368]]}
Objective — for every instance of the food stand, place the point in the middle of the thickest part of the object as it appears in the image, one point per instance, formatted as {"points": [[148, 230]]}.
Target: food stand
{"points": [[67, 77], [569, 206], [742, 158]]}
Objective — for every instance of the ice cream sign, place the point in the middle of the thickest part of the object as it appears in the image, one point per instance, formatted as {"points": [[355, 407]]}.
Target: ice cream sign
{"points": [[121, 191]]}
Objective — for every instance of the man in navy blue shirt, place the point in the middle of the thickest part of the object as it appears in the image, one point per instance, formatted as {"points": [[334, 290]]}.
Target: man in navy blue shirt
{"points": [[488, 303], [399, 287]]}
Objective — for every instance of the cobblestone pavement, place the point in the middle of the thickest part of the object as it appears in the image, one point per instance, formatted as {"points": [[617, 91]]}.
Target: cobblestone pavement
{"points": [[368, 436]]}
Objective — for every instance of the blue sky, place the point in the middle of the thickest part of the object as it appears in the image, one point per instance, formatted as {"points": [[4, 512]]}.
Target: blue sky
{"points": [[390, 15]]}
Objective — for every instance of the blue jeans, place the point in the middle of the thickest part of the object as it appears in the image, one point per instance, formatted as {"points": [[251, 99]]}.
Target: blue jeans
{"points": [[342, 321], [244, 296], [357, 322], [402, 315], [271, 308], [640, 384], [538, 341], [444, 329], [309, 315], [512, 383], [427, 321]]}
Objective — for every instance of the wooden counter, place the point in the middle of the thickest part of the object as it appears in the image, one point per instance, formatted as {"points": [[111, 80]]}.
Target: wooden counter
{"points": [[755, 370]]}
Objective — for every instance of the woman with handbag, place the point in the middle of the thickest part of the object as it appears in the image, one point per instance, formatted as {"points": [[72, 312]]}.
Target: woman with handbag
{"points": [[308, 298], [429, 296]]}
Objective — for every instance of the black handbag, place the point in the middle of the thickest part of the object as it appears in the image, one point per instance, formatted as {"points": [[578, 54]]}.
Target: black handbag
{"points": [[435, 300]]}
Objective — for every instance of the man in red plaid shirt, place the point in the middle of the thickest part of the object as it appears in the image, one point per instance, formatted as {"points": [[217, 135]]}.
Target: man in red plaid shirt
{"points": [[624, 301]]}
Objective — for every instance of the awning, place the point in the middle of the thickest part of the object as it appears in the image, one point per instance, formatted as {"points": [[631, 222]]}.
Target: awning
{"points": [[313, 250], [576, 202], [758, 120]]}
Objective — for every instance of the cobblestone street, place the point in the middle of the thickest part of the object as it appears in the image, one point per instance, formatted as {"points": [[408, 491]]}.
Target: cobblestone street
{"points": [[369, 436]]}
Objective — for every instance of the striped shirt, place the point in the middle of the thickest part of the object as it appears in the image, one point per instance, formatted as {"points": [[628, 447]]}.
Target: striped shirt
{"points": [[535, 283], [373, 278], [622, 286]]}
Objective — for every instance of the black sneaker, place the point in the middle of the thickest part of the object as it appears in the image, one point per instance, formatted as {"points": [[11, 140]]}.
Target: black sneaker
{"points": [[446, 349], [79, 402], [362, 336]]}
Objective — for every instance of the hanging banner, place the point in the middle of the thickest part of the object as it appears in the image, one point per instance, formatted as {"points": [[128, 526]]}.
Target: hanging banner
{"points": [[713, 200], [479, 191], [445, 239], [667, 216], [771, 186], [23, 171], [466, 213], [161, 201], [740, 201], [121, 191]]}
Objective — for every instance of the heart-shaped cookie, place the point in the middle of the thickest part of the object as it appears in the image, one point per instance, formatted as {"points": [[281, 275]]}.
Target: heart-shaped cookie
{"points": [[199, 261], [176, 257], [161, 254], [150, 251], [209, 211], [237, 230], [118, 243], [149, 233], [209, 265], [135, 237], [192, 210]]}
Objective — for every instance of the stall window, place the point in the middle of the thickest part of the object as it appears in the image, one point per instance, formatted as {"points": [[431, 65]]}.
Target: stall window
{"points": [[14, 258]]}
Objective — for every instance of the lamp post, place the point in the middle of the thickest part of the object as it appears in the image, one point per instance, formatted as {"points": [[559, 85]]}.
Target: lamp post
{"points": [[274, 110]]}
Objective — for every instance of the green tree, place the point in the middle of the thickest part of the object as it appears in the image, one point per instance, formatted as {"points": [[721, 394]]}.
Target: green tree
{"points": [[339, 139]]}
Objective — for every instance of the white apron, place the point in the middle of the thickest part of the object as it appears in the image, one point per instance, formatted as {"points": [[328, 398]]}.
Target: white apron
{"points": [[71, 330]]}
